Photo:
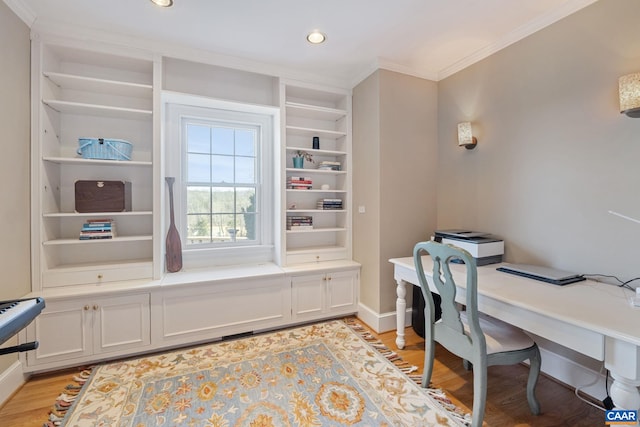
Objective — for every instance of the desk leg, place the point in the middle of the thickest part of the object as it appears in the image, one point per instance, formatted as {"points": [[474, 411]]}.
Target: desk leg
{"points": [[401, 309], [622, 359], [624, 392]]}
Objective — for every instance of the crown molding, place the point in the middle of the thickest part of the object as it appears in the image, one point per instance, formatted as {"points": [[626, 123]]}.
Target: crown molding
{"points": [[518, 34], [23, 11], [151, 47], [391, 66]]}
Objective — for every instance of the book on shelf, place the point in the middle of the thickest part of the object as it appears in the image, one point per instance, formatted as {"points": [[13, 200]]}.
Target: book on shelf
{"points": [[329, 204], [299, 222], [97, 236], [328, 165], [95, 229], [299, 183], [99, 222]]}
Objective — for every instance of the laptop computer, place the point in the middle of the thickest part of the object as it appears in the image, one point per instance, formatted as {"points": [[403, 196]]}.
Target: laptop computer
{"points": [[544, 274]]}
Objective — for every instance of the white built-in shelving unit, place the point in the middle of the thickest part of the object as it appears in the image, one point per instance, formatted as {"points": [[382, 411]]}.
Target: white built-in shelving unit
{"points": [[110, 298], [80, 93], [309, 112]]}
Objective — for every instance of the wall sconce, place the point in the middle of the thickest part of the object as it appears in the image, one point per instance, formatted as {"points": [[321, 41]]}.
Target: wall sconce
{"points": [[629, 87], [465, 136], [163, 3]]}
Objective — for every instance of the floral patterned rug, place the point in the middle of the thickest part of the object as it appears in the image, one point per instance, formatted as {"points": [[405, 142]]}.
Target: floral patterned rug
{"points": [[323, 374]]}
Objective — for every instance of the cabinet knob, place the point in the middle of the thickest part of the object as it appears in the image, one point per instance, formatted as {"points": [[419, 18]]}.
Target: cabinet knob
{"points": [[329, 278], [317, 257], [100, 276], [86, 308], [95, 307]]}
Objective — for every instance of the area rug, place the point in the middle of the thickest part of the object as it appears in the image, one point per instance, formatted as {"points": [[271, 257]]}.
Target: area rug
{"points": [[323, 374]]}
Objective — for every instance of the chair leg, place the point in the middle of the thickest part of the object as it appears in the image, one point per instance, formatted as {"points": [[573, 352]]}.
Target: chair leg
{"points": [[534, 370], [479, 394], [429, 355]]}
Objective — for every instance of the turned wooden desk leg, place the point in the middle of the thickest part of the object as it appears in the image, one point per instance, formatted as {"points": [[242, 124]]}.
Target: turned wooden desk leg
{"points": [[622, 359], [401, 309], [624, 392]]}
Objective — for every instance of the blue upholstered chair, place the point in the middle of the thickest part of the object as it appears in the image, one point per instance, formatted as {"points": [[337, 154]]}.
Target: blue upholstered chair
{"points": [[480, 340]]}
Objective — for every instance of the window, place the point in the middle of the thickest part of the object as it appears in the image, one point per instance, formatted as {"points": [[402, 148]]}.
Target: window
{"points": [[222, 182], [222, 157]]}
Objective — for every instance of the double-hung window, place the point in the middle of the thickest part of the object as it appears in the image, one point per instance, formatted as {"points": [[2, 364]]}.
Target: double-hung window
{"points": [[221, 182], [222, 155]]}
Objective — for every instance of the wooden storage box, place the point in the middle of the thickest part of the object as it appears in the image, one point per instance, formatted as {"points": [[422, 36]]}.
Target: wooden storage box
{"points": [[102, 196]]}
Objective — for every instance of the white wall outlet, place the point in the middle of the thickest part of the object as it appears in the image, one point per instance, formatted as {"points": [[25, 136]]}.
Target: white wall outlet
{"points": [[361, 209]]}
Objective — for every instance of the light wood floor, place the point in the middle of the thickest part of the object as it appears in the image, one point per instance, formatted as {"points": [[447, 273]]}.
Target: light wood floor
{"points": [[506, 399]]}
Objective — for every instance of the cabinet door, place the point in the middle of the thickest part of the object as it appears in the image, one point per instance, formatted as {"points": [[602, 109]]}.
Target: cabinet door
{"points": [[308, 296], [121, 323], [342, 292], [210, 310], [63, 330]]}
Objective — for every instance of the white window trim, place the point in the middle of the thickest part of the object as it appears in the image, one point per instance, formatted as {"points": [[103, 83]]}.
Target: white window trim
{"points": [[269, 119]]}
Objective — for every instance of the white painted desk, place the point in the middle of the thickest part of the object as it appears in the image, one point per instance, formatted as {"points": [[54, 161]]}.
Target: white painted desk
{"points": [[589, 317]]}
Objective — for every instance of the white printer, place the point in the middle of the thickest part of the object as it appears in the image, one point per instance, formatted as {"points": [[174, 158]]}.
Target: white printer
{"points": [[483, 247]]}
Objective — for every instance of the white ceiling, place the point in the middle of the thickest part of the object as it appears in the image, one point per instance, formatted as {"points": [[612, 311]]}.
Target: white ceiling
{"points": [[425, 38]]}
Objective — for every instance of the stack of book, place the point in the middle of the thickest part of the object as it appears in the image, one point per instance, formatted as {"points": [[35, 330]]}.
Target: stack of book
{"points": [[299, 183], [329, 204], [327, 165], [95, 229], [300, 222]]}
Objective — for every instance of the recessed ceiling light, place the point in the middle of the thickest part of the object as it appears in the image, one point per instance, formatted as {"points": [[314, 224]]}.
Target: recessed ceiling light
{"points": [[163, 3], [316, 37]]}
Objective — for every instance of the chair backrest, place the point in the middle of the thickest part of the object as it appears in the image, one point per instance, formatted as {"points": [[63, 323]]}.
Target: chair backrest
{"points": [[450, 331]]}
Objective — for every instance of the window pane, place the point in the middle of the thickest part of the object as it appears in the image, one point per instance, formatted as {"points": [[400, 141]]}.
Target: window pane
{"points": [[198, 229], [249, 225], [245, 170], [222, 141], [245, 200], [198, 200], [199, 168], [223, 228], [198, 139], [223, 200], [222, 169], [245, 142]]}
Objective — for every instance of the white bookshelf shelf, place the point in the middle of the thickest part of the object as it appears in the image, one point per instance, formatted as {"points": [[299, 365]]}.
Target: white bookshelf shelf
{"points": [[90, 84]]}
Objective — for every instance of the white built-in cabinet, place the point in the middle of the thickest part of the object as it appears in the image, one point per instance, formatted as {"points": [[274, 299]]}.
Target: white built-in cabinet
{"points": [[110, 298], [249, 299], [90, 326], [314, 295]]}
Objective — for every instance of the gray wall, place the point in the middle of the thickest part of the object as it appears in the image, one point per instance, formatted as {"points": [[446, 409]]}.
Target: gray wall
{"points": [[554, 154], [14, 161], [394, 162], [366, 186]]}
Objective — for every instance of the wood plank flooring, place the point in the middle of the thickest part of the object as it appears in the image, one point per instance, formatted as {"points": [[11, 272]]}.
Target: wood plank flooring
{"points": [[506, 399], [506, 395]]}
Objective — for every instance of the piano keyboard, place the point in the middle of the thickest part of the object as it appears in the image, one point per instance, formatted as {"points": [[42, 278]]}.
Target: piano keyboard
{"points": [[15, 315]]}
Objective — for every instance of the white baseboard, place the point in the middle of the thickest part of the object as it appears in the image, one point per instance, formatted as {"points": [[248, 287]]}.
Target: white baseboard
{"points": [[10, 381], [557, 366], [573, 374], [381, 322]]}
